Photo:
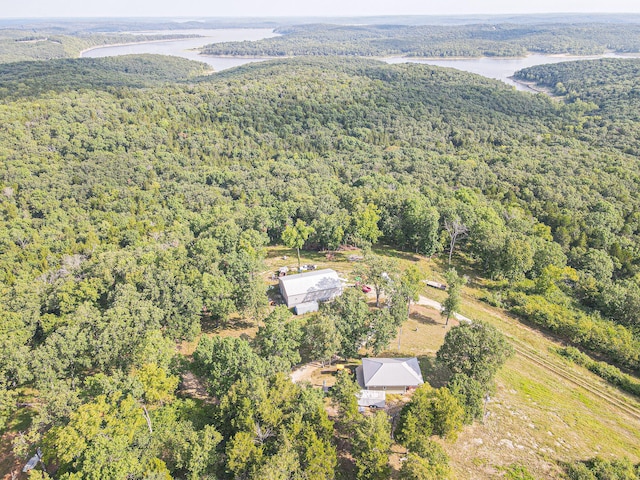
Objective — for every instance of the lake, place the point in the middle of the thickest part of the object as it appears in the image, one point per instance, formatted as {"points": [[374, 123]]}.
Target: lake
{"points": [[498, 67], [491, 67], [185, 47]]}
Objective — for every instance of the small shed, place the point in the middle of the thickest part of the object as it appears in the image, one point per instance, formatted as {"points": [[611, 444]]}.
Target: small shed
{"points": [[392, 375], [307, 307], [438, 285], [317, 285]]}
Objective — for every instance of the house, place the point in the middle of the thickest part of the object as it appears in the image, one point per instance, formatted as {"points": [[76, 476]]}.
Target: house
{"points": [[317, 285], [393, 375]]}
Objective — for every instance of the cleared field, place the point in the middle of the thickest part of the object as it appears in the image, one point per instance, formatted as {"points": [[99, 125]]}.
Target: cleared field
{"points": [[538, 416], [544, 410]]}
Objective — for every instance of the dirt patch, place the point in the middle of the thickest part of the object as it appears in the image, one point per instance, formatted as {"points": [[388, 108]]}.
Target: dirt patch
{"points": [[305, 372], [191, 386], [10, 466]]}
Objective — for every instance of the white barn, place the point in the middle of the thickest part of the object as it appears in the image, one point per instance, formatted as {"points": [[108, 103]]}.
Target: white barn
{"points": [[314, 286]]}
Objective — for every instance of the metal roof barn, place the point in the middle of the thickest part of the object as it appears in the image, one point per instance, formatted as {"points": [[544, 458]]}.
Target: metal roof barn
{"points": [[317, 285]]}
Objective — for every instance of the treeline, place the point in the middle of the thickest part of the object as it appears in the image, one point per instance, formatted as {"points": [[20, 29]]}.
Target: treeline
{"points": [[18, 45], [499, 40], [604, 370]]}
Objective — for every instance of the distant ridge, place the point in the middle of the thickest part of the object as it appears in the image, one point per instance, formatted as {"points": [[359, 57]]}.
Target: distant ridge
{"points": [[169, 23]]}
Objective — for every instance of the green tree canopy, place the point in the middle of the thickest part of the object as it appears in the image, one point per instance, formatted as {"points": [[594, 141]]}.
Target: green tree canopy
{"points": [[452, 303], [320, 338], [295, 236], [351, 315], [278, 340], [371, 442], [477, 350], [378, 271], [224, 360]]}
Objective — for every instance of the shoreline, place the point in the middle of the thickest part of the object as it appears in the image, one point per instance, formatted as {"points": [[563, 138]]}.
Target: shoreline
{"points": [[110, 45], [186, 37], [243, 57], [531, 86], [608, 54]]}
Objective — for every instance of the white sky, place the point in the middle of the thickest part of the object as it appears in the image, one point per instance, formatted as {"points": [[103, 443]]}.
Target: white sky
{"points": [[258, 8]]}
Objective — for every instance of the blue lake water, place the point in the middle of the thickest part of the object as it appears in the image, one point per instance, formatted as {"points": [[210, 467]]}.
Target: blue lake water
{"points": [[499, 68], [491, 67], [186, 48]]}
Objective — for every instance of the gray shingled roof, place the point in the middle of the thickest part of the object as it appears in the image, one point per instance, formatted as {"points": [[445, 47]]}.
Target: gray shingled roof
{"points": [[391, 372], [316, 280]]}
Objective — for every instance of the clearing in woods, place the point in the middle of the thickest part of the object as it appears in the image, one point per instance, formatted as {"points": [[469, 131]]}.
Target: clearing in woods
{"points": [[544, 411]]}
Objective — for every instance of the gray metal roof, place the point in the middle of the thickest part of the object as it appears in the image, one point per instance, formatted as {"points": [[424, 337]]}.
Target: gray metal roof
{"points": [[391, 372], [316, 280]]}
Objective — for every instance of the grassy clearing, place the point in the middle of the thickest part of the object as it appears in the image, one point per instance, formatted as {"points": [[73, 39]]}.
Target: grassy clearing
{"points": [[536, 419]]}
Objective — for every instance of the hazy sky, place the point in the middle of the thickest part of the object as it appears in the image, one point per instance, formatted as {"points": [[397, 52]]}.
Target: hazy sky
{"points": [[212, 8]]}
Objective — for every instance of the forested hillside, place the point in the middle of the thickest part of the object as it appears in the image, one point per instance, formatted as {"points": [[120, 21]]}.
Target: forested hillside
{"points": [[491, 40], [31, 79], [609, 83], [130, 214]]}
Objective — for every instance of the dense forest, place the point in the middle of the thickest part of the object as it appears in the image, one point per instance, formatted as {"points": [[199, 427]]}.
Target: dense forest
{"points": [[134, 209], [491, 40], [24, 79], [609, 84]]}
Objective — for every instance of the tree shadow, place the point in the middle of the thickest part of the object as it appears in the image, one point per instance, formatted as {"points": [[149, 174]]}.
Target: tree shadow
{"points": [[22, 419], [387, 251], [209, 324], [434, 373], [464, 265], [239, 324], [423, 319]]}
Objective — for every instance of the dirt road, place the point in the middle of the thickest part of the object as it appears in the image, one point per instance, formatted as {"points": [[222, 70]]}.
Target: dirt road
{"points": [[437, 306]]}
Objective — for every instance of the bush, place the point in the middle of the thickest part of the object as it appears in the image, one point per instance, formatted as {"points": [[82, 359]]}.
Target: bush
{"points": [[610, 373], [601, 469], [589, 331]]}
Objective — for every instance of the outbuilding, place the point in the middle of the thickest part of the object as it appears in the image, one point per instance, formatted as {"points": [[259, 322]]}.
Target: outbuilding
{"points": [[307, 307], [393, 375], [314, 286]]}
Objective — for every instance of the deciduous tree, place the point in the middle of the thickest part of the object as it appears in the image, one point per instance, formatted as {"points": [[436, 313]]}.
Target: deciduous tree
{"points": [[320, 338], [451, 304], [477, 350], [294, 236], [279, 338], [456, 230], [377, 271], [371, 444]]}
